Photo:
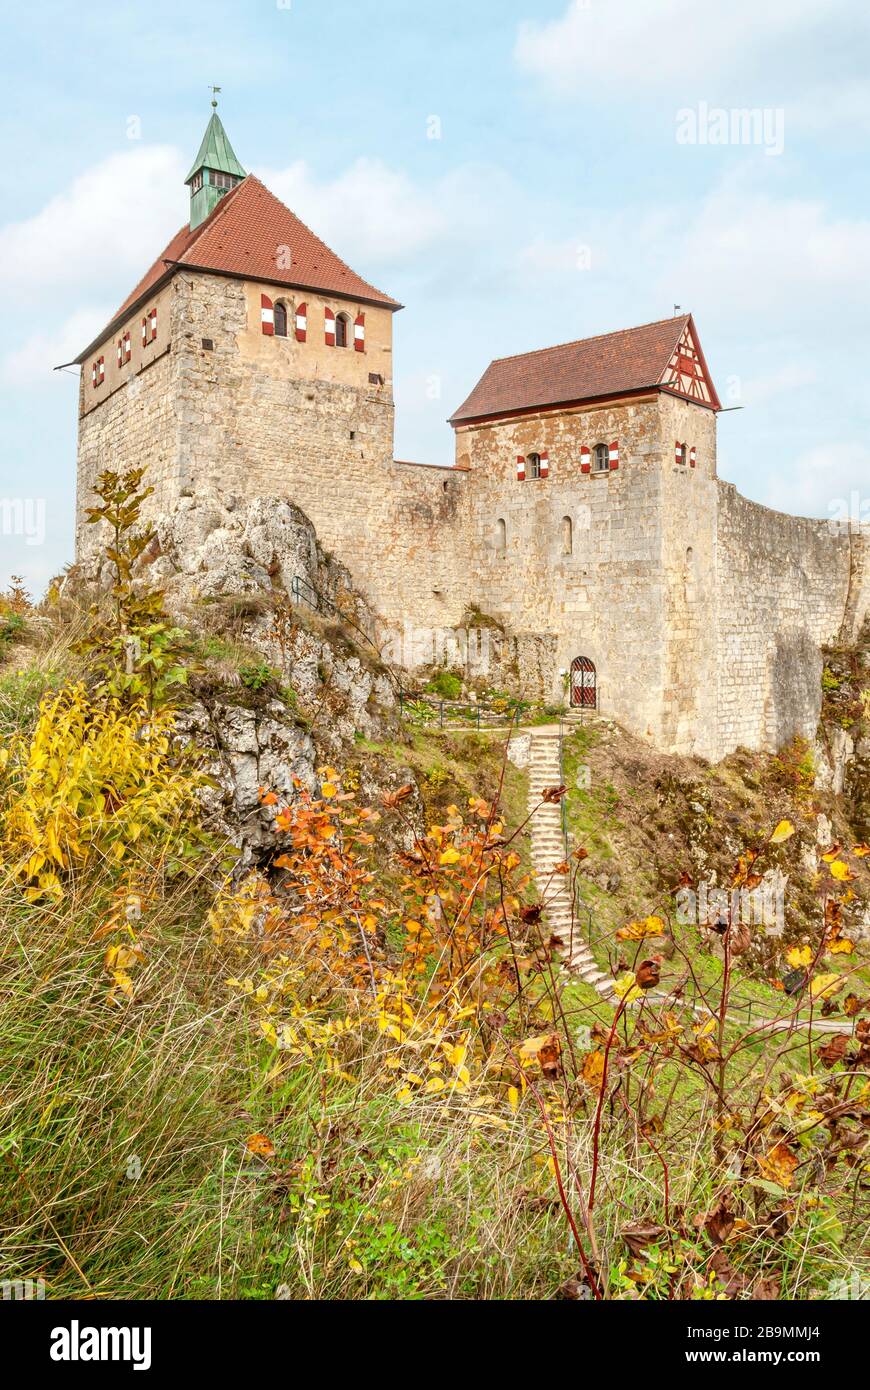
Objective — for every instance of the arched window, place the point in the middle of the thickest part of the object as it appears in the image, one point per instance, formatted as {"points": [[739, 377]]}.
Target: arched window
{"points": [[683, 455], [500, 536], [567, 536], [342, 327], [280, 319], [601, 458], [533, 466]]}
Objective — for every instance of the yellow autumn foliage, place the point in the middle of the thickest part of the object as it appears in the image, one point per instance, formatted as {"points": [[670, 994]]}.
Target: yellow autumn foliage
{"points": [[95, 782]]}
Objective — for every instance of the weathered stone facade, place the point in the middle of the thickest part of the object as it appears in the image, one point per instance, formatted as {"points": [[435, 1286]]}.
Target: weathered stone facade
{"points": [[702, 612]]}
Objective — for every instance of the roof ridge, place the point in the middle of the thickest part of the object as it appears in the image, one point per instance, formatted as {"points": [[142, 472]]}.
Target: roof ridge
{"points": [[593, 338], [311, 232], [165, 261]]}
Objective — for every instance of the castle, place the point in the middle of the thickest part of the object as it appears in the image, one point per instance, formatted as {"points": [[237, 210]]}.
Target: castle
{"points": [[583, 514]]}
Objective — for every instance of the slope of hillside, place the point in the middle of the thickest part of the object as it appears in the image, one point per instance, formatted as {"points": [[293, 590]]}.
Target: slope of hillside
{"points": [[282, 1013]]}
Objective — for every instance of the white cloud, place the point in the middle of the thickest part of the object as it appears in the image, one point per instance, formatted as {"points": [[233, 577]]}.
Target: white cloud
{"points": [[35, 358], [785, 380], [823, 482], [677, 43], [752, 253], [377, 209], [107, 226], [741, 254], [375, 214]]}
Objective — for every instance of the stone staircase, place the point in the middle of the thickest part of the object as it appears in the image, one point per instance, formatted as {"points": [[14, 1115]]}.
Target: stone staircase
{"points": [[548, 850]]}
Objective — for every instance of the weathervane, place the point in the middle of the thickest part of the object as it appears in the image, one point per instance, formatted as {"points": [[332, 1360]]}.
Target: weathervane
{"points": [[214, 92]]}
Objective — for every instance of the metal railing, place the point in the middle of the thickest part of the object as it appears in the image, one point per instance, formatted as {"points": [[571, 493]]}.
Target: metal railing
{"points": [[303, 591], [425, 709], [563, 804]]}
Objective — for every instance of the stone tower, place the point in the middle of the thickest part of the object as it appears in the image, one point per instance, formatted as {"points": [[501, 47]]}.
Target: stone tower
{"points": [[591, 468], [249, 359]]}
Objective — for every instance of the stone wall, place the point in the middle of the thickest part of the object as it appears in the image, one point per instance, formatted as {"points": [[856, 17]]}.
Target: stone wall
{"points": [[702, 612], [130, 420], [582, 552], [273, 418], [688, 516], [784, 587]]}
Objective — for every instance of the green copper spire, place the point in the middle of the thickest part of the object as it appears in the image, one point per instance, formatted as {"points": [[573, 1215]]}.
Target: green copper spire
{"points": [[215, 170]]}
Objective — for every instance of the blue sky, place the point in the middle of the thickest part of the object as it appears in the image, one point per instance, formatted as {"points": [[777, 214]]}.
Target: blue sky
{"points": [[569, 193]]}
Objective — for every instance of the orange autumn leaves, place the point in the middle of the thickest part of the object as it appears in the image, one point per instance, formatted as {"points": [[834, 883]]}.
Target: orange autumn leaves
{"points": [[322, 931]]}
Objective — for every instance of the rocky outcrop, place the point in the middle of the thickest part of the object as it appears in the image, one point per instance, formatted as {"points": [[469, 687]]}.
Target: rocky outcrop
{"points": [[303, 680], [247, 752]]}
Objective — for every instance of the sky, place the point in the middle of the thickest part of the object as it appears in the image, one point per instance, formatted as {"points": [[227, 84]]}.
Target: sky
{"points": [[517, 173]]}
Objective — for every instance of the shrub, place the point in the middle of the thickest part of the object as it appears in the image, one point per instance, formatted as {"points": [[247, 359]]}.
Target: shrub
{"points": [[446, 685], [96, 782]]}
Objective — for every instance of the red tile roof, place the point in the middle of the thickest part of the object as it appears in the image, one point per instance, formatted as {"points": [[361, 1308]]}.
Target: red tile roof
{"points": [[612, 364], [241, 237]]}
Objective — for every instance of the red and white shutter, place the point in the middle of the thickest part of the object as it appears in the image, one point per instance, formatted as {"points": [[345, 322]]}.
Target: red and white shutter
{"points": [[678, 453], [692, 456], [120, 351], [329, 327], [94, 374], [359, 332], [521, 468], [545, 465], [144, 331], [101, 370], [152, 323], [128, 346], [301, 322], [585, 460], [267, 316], [614, 454]]}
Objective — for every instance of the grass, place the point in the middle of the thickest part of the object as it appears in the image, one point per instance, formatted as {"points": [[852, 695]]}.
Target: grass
{"points": [[115, 1126], [128, 1161]]}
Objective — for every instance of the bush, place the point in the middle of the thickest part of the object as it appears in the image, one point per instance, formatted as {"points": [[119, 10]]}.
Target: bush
{"points": [[95, 783], [445, 685]]}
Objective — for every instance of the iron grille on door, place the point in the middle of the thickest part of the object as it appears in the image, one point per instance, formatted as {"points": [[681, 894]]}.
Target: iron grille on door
{"points": [[583, 684]]}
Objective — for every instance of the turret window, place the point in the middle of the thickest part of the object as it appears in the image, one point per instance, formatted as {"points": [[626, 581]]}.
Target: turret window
{"points": [[220, 180]]}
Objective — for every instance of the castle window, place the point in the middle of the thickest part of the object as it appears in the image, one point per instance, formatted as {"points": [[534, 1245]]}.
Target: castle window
{"points": [[500, 536], [601, 459], [533, 465], [280, 320], [567, 536], [342, 323], [682, 455]]}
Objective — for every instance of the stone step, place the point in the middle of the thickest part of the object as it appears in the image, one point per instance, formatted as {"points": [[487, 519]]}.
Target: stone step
{"points": [[547, 843]]}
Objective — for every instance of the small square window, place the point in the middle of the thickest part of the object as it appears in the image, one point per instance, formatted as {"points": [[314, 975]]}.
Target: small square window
{"points": [[208, 344]]}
